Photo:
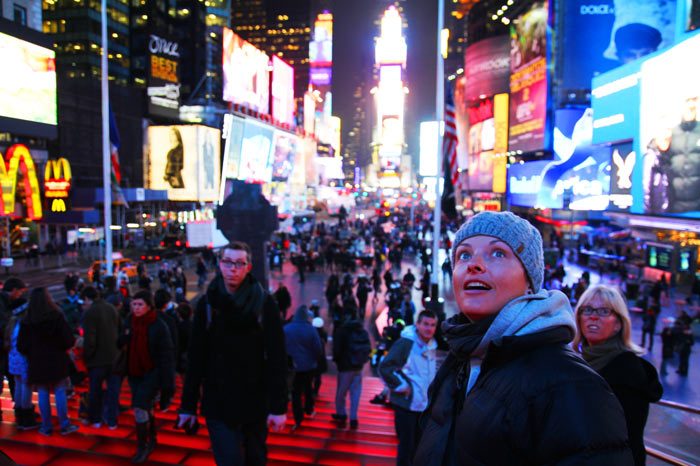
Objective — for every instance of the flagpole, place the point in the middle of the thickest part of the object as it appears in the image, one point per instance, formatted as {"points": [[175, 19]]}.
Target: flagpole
{"points": [[439, 115], [106, 159]]}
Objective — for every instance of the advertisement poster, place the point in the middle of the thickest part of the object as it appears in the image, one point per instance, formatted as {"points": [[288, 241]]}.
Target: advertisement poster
{"points": [[670, 133], [579, 171], [693, 21], [487, 67], [246, 78], [256, 147], [624, 160], [163, 77], [184, 160], [528, 80], [615, 102], [282, 91], [600, 35], [28, 81], [283, 156]]}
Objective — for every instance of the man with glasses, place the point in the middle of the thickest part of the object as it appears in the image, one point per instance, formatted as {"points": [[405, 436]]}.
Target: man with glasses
{"points": [[237, 357]]}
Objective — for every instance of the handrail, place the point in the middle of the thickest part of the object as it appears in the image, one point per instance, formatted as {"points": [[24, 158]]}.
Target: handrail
{"points": [[680, 406], [670, 459]]}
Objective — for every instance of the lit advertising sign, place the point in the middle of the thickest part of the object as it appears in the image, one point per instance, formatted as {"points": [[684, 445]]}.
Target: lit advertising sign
{"points": [[487, 67], [600, 35], [256, 148], [18, 159], [615, 103], [528, 80], [282, 91], [184, 160], [163, 76], [27, 82], [283, 157], [321, 76], [246, 78], [624, 160], [500, 145], [391, 45], [57, 184], [660, 256], [429, 137], [670, 133], [321, 48], [578, 168], [390, 94]]}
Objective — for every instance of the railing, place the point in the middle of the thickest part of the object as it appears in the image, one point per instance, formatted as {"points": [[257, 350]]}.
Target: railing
{"points": [[661, 455], [680, 406]]}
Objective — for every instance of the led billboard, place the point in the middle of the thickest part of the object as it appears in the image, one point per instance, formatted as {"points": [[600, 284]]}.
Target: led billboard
{"points": [[256, 148], [615, 103], [624, 160], [321, 48], [163, 76], [528, 80], [184, 160], [282, 91], [429, 137], [246, 78], [487, 67], [669, 132], [27, 81], [579, 171], [283, 156]]}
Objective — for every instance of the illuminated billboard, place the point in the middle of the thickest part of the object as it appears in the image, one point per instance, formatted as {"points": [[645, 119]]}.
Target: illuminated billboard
{"points": [[528, 80], [487, 67], [282, 91], [624, 160], [321, 48], [27, 82], [184, 160], [391, 45], [18, 161], [669, 133], [246, 77], [615, 102], [163, 77], [429, 137], [283, 155]]}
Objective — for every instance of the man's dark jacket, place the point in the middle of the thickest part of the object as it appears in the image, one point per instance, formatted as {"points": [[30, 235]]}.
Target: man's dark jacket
{"points": [[238, 358], [535, 402], [46, 345], [341, 345], [101, 327]]}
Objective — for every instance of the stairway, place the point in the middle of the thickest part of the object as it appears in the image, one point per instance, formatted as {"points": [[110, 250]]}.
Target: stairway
{"points": [[317, 441]]}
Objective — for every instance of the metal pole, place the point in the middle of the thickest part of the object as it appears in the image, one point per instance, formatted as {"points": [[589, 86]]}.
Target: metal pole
{"points": [[106, 159], [439, 115]]}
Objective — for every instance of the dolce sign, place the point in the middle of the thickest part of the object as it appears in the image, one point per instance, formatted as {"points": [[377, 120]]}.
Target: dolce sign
{"points": [[159, 46], [597, 10]]}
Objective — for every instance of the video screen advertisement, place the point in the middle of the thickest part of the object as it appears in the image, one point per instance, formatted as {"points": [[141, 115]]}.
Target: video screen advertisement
{"points": [[184, 160], [670, 133], [27, 88], [615, 102], [600, 35], [163, 76], [623, 162], [481, 140], [487, 68], [246, 78], [282, 91], [528, 80], [578, 171]]}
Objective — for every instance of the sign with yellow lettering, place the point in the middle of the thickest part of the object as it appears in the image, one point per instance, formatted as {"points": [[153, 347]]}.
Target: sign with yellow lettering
{"points": [[57, 183], [18, 158], [163, 76]]}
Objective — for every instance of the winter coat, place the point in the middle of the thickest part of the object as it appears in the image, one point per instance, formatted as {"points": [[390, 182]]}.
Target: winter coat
{"points": [[410, 362], [101, 327], [635, 383], [46, 346], [161, 350], [527, 381], [341, 345], [302, 342], [238, 359], [17, 362]]}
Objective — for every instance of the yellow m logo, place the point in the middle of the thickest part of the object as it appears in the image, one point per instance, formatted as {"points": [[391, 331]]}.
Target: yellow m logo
{"points": [[58, 205], [57, 170], [19, 158]]}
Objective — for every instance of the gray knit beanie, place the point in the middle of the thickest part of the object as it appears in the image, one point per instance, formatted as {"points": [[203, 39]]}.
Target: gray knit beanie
{"points": [[516, 232]]}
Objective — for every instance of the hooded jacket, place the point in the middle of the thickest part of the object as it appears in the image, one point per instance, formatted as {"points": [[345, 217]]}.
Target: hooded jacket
{"points": [[237, 357], [529, 399], [341, 344], [101, 327], [46, 346], [302, 341], [635, 384], [410, 362]]}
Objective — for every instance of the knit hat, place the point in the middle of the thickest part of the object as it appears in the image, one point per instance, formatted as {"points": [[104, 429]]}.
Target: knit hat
{"points": [[516, 232]]}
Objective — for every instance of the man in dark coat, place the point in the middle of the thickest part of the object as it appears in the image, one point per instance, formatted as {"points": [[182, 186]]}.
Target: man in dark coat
{"points": [[166, 311], [284, 299], [101, 326], [237, 358]]}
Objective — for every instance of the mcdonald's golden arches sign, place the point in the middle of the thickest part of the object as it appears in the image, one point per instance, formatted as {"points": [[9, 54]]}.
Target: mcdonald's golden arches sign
{"points": [[57, 184], [18, 158]]}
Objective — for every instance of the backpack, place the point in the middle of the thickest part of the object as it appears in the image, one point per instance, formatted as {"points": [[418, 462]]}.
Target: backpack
{"points": [[359, 347]]}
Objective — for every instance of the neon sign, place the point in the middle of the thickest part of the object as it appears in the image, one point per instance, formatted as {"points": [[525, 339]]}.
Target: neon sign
{"points": [[18, 158], [57, 184]]}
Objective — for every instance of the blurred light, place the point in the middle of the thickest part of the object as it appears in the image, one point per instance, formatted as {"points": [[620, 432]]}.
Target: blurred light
{"points": [[115, 227], [505, 21], [132, 225], [494, 17]]}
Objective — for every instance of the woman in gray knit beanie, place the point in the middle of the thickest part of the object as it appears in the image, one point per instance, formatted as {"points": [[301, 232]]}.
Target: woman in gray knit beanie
{"points": [[511, 390]]}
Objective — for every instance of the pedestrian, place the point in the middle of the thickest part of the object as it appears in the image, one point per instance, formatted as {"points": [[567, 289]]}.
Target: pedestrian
{"points": [[322, 366], [649, 323], [408, 369], [184, 331], [351, 348], [332, 289], [283, 298], [45, 338], [150, 367], [408, 309], [15, 290], [72, 310], [162, 299], [101, 330], [304, 348], [604, 339], [684, 340], [202, 272], [668, 350], [511, 391], [11, 296], [238, 362]]}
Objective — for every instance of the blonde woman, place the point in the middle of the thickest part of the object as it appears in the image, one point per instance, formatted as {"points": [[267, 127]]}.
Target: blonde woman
{"points": [[603, 337]]}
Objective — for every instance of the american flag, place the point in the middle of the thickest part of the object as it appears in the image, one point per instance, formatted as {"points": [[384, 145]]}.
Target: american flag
{"points": [[449, 139], [116, 174]]}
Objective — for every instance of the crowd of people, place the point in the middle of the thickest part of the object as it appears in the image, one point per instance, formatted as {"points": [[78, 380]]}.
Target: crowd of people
{"points": [[531, 375]]}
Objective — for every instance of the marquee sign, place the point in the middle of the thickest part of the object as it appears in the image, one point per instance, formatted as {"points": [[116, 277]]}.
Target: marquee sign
{"points": [[18, 158], [57, 184]]}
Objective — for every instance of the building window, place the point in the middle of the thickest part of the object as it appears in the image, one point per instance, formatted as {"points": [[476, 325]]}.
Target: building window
{"points": [[20, 14]]}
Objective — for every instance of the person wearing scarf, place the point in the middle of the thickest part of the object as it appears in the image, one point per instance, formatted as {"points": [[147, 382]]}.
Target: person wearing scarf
{"points": [[603, 337], [150, 367], [511, 391]]}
